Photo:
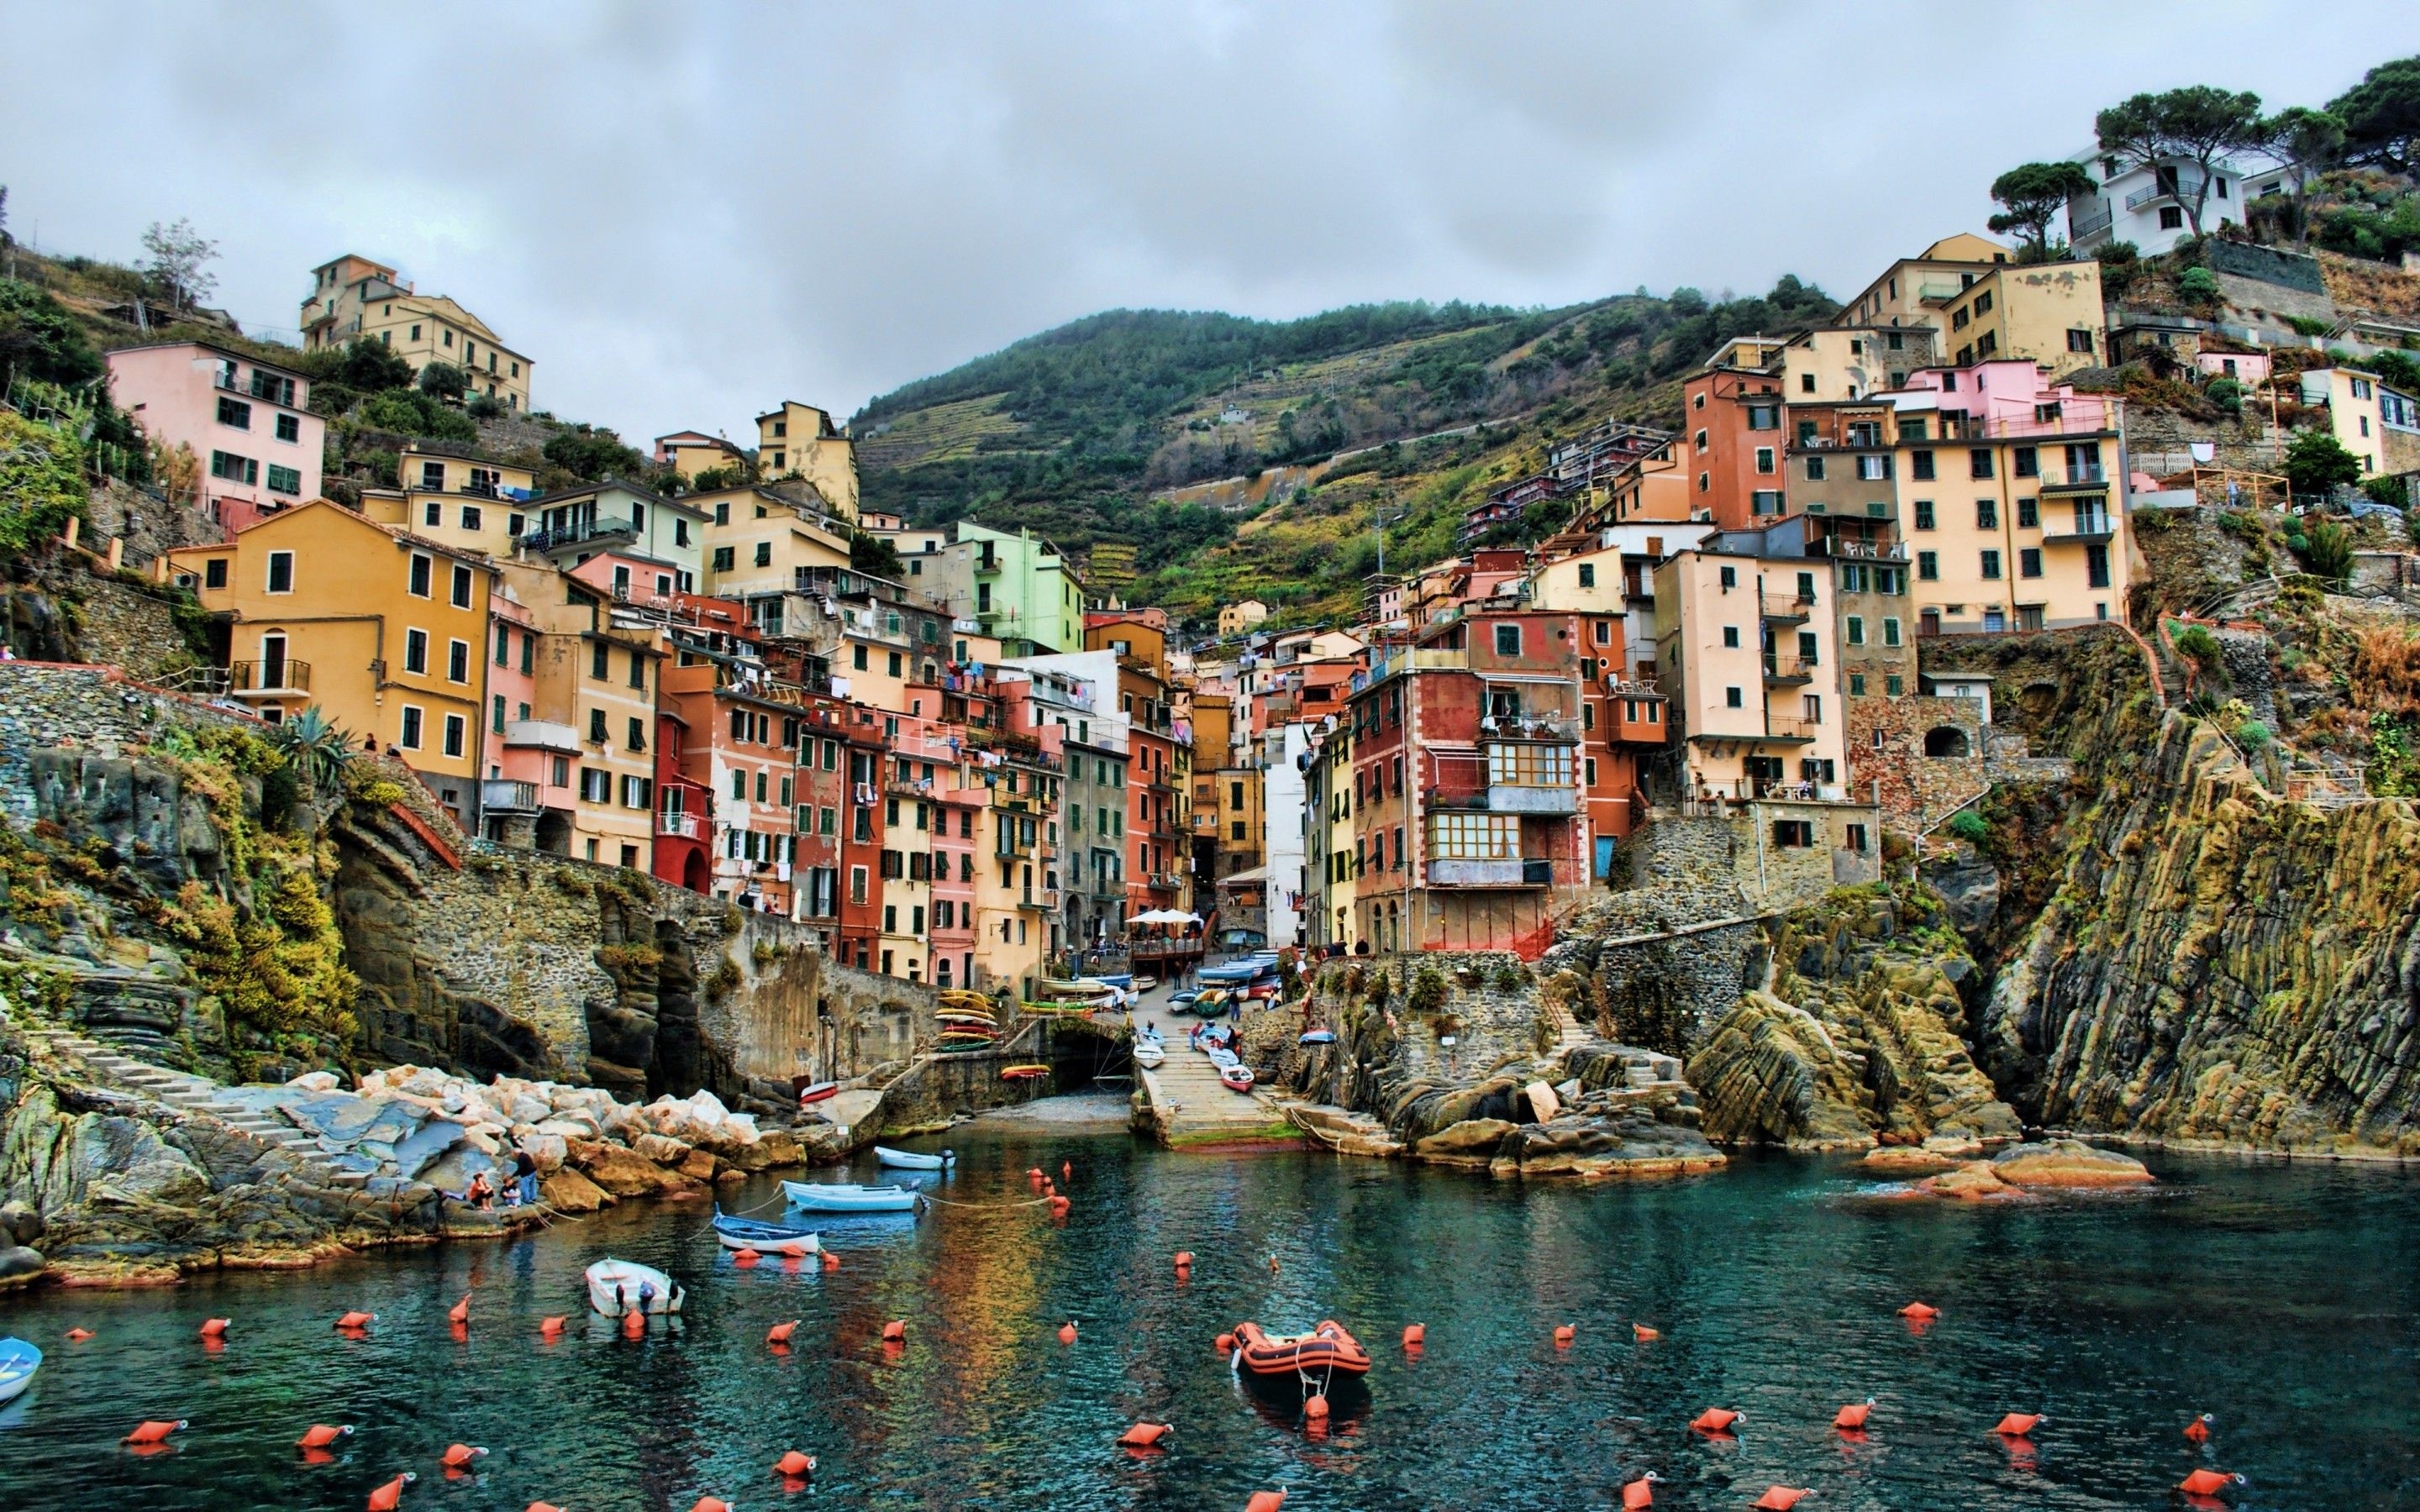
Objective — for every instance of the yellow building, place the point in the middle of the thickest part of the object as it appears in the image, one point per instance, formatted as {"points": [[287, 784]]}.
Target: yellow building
{"points": [[690, 453], [1837, 363], [800, 441], [459, 499], [761, 544], [2012, 501], [1235, 618], [1982, 305], [353, 299], [383, 631], [2355, 417]]}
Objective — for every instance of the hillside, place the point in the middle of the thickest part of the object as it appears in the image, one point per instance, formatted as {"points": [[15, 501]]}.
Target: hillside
{"points": [[1118, 428]]}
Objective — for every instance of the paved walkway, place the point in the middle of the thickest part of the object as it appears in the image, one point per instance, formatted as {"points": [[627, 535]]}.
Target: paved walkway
{"points": [[1207, 1110]]}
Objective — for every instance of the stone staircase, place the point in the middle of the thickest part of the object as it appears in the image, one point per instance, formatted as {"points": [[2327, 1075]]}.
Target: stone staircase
{"points": [[198, 1094]]}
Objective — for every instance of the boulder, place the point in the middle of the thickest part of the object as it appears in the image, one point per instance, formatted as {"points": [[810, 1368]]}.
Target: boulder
{"points": [[1543, 1103], [567, 1190], [2068, 1162], [18, 1265], [1630, 1143], [315, 1081], [700, 1166], [625, 1173], [1974, 1182], [661, 1149], [1901, 1161], [20, 1223], [578, 1124], [547, 1151], [1472, 1142]]}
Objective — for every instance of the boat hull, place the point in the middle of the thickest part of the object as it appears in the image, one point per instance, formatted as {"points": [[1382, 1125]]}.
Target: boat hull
{"points": [[909, 1160], [19, 1364], [734, 1233], [810, 1196], [613, 1288], [1309, 1362]]}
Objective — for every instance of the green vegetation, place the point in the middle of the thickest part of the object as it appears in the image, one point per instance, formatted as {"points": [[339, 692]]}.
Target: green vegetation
{"points": [[2317, 462], [1969, 826], [2034, 194], [41, 481], [2197, 124]]}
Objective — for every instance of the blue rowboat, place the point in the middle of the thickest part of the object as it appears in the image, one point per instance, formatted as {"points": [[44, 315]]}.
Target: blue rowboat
{"points": [[829, 1196], [1319, 1037], [908, 1160], [762, 1237], [19, 1360]]}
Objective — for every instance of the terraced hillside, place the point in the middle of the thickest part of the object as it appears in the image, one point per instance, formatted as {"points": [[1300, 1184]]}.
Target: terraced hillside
{"points": [[1238, 456]]}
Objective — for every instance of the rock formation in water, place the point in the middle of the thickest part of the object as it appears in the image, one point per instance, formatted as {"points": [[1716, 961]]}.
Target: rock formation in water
{"points": [[1856, 1040]]}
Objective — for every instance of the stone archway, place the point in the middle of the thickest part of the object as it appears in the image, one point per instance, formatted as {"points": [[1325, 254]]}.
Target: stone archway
{"points": [[1946, 741]]}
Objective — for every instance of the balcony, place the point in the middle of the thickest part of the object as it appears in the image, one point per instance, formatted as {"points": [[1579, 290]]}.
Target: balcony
{"points": [[1560, 801], [1780, 670], [2091, 478], [1560, 728], [1504, 872], [681, 825], [579, 533], [2178, 188], [2083, 224], [1856, 548], [1785, 608], [1639, 721], [987, 564], [508, 796], [269, 679], [544, 734], [1934, 291], [1040, 900], [1778, 731], [2088, 531]]}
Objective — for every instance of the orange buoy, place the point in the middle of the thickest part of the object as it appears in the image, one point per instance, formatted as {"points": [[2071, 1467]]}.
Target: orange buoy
{"points": [[458, 1455], [357, 1319], [1564, 1333], [2198, 1430], [2208, 1483], [1266, 1501], [894, 1332], [745, 1257], [386, 1496], [1066, 1170], [213, 1328], [2017, 1425], [551, 1327], [794, 1463], [1147, 1435], [1184, 1259], [542, 1506], [634, 1324], [1781, 1498], [1067, 1331], [1642, 1333], [831, 1261], [711, 1503], [1715, 1420], [1640, 1493], [77, 1335], [460, 1311], [1415, 1334], [780, 1333], [1224, 1343], [320, 1435], [1852, 1415], [1314, 1406], [152, 1432], [1920, 1312]]}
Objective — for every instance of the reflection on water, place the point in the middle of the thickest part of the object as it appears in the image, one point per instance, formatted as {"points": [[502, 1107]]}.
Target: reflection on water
{"points": [[2281, 1299]]}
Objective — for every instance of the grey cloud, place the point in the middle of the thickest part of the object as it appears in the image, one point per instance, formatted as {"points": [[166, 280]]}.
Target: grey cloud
{"points": [[686, 212]]}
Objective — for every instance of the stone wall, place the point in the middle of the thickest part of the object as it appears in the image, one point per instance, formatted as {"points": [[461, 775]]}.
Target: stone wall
{"points": [[1775, 877], [96, 709], [1886, 756]]}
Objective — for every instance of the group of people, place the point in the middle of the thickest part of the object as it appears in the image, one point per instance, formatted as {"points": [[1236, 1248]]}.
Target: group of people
{"points": [[519, 1192]]}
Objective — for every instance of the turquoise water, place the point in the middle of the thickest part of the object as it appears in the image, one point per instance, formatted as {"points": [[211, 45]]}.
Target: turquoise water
{"points": [[2280, 1298]]}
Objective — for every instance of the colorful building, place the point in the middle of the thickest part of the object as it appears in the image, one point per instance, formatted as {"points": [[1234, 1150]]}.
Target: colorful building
{"points": [[798, 440], [248, 423], [353, 299], [1018, 587]]}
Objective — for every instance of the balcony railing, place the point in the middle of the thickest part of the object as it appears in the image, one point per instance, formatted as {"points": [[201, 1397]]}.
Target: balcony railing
{"points": [[1855, 548], [579, 533], [268, 677], [1780, 668], [1786, 606], [1776, 729], [1503, 871], [546, 735], [500, 794], [685, 826], [2089, 223], [2089, 530], [2182, 188]]}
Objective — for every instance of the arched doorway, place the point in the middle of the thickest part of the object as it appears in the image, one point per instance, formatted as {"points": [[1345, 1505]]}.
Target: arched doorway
{"points": [[695, 875], [1946, 741], [553, 832]]}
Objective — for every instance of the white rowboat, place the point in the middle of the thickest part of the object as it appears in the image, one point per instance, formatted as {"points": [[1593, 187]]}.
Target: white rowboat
{"points": [[908, 1160], [615, 1287]]}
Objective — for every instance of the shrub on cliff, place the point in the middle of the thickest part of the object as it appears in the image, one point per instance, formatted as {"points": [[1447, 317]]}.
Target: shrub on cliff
{"points": [[1969, 826], [41, 481]]}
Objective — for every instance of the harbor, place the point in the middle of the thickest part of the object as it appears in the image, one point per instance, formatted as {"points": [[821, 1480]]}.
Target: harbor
{"points": [[1774, 1290]]}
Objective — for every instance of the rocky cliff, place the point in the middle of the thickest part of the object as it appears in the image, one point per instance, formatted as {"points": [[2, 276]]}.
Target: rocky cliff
{"points": [[2220, 964]]}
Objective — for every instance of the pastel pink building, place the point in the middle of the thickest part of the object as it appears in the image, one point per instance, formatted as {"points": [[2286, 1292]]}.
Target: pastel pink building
{"points": [[247, 423]]}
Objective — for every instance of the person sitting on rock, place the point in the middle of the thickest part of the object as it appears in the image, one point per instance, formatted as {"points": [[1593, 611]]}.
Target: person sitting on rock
{"points": [[481, 1193]]}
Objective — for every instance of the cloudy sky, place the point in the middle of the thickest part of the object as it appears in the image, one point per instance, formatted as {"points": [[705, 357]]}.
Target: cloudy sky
{"points": [[686, 212]]}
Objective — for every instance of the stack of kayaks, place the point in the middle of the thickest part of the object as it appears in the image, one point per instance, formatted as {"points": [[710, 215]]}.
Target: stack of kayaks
{"points": [[965, 1023]]}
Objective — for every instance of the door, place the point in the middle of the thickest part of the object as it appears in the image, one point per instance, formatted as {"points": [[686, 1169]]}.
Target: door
{"points": [[1929, 622], [272, 662]]}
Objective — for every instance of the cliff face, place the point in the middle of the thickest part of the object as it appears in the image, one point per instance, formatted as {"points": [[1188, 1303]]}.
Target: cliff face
{"points": [[1856, 1040], [2219, 963]]}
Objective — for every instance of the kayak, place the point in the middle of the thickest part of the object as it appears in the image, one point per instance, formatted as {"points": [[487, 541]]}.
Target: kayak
{"points": [[818, 1092], [19, 1360], [908, 1160], [1022, 1073], [826, 1197], [764, 1238], [614, 1287]]}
